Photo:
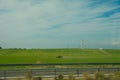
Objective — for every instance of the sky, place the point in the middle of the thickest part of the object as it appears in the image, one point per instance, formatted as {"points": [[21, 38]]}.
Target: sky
{"points": [[60, 23]]}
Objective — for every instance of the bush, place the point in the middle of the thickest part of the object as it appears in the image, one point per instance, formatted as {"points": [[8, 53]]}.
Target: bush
{"points": [[87, 76], [19, 79], [0, 47], [37, 78], [28, 75], [59, 57], [71, 77], [117, 73], [60, 77], [110, 77], [99, 76]]}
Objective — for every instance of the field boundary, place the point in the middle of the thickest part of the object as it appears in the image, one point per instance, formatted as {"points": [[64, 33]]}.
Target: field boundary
{"points": [[55, 64], [59, 64]]}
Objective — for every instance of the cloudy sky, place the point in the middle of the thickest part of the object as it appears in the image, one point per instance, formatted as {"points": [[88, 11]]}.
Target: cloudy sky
{"points": [[60, 23]]}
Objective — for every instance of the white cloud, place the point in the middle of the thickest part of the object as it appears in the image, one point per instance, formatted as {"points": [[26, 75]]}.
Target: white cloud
{"points": [[27, 18]]}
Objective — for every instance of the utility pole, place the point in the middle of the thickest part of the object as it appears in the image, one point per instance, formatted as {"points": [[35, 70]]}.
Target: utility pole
{"points": [[117, 37], [116, 42], [82, 44]]}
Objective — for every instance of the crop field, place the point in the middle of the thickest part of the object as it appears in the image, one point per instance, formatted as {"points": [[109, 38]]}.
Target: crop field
{"points": [[58, 55]]}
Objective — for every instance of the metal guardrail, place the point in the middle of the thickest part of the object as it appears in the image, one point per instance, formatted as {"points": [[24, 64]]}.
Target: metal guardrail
{"points": [[4, 74], [52, 72]]}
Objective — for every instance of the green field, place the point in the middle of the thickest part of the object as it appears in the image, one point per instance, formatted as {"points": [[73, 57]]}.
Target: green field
{"points": [[49, 55]]}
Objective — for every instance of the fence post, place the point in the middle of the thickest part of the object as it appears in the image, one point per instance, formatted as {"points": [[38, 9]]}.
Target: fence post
{"points": [[31, 73], [98, 69], [5, 75], [118, 69], [78, 72], [55, 72], [28, 75]]}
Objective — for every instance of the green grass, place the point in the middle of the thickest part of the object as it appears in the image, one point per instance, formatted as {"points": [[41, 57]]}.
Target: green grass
{"points": [[49, 55]]}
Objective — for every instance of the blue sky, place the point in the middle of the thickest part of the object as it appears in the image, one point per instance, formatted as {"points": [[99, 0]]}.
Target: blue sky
{"points": [[60, 23]]}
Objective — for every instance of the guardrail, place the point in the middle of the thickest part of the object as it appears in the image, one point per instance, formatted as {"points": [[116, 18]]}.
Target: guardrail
{"points": [[53, 72], [4, 74]]}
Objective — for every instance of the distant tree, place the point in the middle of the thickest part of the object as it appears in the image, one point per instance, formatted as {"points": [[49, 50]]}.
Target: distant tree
{"points": [[0, 47]]}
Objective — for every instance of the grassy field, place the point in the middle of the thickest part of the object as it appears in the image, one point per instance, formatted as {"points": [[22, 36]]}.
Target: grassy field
{"points": [[49, 55]]}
